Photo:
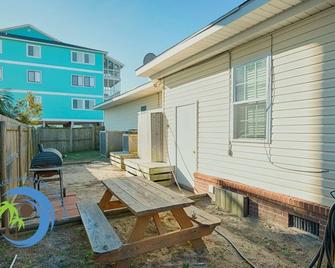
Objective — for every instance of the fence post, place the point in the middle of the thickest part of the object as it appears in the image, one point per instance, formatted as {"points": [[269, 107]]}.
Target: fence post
{"points": [[93, 137], [20, 152], [3, 171], [71, 140]]}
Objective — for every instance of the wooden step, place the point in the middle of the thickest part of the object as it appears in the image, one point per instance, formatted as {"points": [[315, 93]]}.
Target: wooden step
{"points": [[100, 232], [202, 217]]}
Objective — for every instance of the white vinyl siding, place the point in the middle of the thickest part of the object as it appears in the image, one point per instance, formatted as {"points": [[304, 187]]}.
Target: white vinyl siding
{"points": [[250, 89], [124, 117], [83, 104], [303, 112], [83, 57], [33, 51], [82, 81], [34, 76]]}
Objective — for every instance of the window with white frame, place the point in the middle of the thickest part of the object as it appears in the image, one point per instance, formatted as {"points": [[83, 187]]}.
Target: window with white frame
{"points": [[33, 51], [250, 94], [1, 73], [34, 76], [80, 80], [83, 104], [82, 57]]}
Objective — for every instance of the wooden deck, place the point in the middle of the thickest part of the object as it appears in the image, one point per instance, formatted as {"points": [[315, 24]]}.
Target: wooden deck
{"points": [[117, 158], [159, 172]]}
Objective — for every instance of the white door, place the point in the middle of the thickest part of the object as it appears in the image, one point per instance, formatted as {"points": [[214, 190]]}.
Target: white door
{"points": [[186, 144]]}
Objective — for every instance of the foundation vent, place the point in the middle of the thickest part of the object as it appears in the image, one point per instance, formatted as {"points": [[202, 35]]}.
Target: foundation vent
{"points": [[305, 225]]}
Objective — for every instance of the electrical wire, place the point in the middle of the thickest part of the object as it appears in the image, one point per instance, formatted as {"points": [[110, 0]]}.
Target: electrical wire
{"points": [[327, 248], [236, 249]]}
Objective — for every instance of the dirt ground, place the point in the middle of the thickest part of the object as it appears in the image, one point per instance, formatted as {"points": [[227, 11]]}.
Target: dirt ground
{"points": [[264, 244]]}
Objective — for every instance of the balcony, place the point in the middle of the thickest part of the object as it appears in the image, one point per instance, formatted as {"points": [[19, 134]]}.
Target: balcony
{"points": [[111, 92], [113, 74]]}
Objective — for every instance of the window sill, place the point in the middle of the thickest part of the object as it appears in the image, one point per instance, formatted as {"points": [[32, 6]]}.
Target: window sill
{"points": [[253, 141]]}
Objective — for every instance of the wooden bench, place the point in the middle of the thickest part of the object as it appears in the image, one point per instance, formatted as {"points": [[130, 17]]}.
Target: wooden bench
{"points": [[201, 217], [100, 232]]}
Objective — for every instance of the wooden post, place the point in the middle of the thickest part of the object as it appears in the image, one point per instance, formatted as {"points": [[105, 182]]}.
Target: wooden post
{"points": [[93, 138], [71, 138], [20, 152], [3, 170]]}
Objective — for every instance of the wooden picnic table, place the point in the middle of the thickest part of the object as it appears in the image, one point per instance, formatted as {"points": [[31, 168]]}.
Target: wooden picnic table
{"points": [[145, 199]]}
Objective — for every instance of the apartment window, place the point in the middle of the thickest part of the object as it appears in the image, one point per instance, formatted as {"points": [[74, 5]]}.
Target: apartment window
{"points": [[83, 104], [33, 51], [86, 81], [250, 92], [82, 57], [34, 77], [1, 73]]}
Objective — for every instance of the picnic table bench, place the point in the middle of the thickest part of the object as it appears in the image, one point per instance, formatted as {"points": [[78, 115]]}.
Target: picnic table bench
{"points": [[145, 200]]}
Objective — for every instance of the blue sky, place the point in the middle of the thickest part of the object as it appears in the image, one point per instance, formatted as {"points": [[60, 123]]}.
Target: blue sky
{"points": [[128, 29]]}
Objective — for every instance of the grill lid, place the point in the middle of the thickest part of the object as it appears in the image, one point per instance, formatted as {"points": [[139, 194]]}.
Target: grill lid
{"points": [[46, 158]]}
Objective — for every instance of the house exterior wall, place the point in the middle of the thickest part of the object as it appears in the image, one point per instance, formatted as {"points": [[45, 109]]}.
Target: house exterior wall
{"points": [[125, 116], [299, 160], [56, 67]]}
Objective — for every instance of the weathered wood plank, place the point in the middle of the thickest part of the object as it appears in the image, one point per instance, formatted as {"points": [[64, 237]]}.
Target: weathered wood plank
{"points": [[201, 217], [146, 245], [101, 234], [142, 196]]}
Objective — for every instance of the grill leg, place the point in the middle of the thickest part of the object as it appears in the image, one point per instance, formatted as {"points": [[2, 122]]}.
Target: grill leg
{"points": [[61, 186], [38, 182]]}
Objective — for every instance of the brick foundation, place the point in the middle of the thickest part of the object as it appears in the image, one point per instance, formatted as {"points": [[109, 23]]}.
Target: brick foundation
{"points": [[267, 205]]}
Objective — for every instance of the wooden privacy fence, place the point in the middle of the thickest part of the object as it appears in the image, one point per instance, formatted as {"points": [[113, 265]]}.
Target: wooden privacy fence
{"points": [[16, 152], [69, 139]]}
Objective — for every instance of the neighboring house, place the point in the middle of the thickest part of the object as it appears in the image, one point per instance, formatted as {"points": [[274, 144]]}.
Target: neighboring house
{"points": [[120, 113], [68, 80], [250, 103]]}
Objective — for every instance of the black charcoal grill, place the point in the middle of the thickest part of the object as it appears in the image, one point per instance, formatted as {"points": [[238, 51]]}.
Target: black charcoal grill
{"points": [[48, 164]]}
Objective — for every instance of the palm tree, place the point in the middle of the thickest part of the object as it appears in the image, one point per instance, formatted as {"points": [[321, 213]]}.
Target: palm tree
{"points": [[6, 104], [14, 217]]}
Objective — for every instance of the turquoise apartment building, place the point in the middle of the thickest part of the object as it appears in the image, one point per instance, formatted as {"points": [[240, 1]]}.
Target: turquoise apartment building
{"points": [[68, 80]]}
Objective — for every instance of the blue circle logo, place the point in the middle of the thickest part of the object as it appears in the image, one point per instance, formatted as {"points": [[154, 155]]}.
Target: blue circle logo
{"points": [[44, 211]]}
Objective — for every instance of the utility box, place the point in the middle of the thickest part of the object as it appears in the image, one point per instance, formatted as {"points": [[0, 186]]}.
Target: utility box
{"points": [[150, 135], [232, 202], [129, 143], [110, 141]]}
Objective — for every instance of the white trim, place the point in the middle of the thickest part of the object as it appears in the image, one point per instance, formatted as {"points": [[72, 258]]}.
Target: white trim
{"points": [[71, 119], [34, 82], [50, 66], [84, 100], [55, 45], [27, 51], [31, 26], [52, 93], [83, 60]]}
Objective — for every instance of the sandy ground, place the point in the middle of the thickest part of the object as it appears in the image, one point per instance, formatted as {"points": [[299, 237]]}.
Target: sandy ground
{"points": [[265, 244]]}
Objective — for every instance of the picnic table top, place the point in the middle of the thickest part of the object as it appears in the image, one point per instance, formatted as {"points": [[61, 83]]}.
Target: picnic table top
{"points": [[143, 196]]}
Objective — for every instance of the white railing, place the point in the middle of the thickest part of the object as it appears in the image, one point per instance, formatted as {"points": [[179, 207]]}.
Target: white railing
{"points": [[112, 74], [111, 92]]}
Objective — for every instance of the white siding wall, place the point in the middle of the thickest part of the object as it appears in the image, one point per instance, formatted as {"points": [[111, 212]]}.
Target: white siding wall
{"points": [[124, 116], [303, 112]]}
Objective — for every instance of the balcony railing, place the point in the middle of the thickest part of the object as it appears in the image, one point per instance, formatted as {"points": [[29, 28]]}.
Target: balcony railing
{"points": [[111, 92], [112, 74]]}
